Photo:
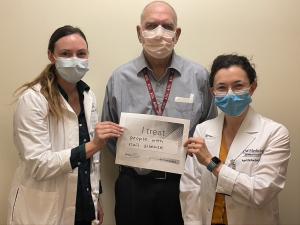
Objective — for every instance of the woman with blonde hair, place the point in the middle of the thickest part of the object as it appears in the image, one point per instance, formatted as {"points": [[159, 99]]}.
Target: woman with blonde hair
{"points": [[59, 139]]}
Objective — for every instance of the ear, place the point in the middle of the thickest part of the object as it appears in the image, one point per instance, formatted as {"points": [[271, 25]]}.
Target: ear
{"points": [[253, 87], [138, 31], [51, 57], [177, 34]]}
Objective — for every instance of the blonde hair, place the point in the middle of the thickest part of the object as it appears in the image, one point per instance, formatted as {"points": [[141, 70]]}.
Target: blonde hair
{"points": [[49, 89], [48, 77]]}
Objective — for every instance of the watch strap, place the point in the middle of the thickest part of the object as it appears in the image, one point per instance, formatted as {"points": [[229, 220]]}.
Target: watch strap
{"points": [[215, 161]]}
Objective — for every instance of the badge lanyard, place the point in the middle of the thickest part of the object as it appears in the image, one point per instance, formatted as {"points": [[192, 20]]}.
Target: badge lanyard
{"points": [[159, 109]]}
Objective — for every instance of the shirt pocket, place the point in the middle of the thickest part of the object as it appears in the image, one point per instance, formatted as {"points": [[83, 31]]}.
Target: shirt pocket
{"points": [[185, 110], [35, 207]]}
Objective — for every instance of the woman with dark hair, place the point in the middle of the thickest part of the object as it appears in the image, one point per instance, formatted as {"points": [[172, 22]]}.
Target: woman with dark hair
{"points": [[59, 139], [237, 162]]}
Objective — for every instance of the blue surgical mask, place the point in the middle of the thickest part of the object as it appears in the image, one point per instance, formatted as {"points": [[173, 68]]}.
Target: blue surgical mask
{"points": [[233, 104]]}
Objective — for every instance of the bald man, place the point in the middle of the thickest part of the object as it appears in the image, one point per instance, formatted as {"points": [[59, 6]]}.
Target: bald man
{"points": [[151, 197]]}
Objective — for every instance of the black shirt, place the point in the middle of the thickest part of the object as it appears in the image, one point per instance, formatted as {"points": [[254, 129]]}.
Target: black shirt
{"points": [[85, 210]]}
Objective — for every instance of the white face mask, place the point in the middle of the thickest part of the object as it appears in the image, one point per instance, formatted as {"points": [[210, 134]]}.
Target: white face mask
{"points": [[71, 70], [159, 42]]}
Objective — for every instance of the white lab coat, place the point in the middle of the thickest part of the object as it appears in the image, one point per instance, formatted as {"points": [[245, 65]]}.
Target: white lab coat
{"points": [[260, 152], [44, 187]]}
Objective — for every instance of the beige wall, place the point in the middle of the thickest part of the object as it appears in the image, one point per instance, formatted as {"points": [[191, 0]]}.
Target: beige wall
{"points": [[267, 30]]}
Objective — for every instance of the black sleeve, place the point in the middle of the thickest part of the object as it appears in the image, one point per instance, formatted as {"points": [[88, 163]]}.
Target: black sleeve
{"points": [[78, 155]]}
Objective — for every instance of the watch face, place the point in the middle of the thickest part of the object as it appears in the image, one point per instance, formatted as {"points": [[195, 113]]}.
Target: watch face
{"points": [[216, 160]]}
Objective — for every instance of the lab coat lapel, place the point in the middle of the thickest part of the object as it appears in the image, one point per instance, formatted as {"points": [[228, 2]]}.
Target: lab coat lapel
{"points": [[213, 135], [245, 135], [88, 108], [68, 107]]}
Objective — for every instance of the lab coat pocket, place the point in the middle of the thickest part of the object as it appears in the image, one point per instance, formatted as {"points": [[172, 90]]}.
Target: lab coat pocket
{"points": [[35, 207]]}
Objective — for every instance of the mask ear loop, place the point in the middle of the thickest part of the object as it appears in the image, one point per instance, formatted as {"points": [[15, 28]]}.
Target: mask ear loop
{"points": [[252, 87]]}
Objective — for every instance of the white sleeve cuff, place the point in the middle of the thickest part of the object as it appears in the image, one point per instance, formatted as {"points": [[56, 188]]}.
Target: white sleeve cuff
{"points": [[65, 159], [195, 222], [226, 180]]}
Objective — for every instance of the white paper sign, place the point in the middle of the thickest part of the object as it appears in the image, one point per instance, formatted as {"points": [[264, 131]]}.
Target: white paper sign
{"points": [[152, 142]]}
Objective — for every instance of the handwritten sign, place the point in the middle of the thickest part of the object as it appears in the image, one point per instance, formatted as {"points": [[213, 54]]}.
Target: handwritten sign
{"points": [[152, 142]]}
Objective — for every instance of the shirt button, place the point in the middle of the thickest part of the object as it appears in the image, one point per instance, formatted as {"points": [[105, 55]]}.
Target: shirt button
{"points": [[80, 125], [87, 189], [85, 172], [78, 163], [84, 140]]}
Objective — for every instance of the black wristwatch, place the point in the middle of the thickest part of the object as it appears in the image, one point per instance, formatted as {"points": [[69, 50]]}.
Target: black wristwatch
{"points": [[215, 161]]}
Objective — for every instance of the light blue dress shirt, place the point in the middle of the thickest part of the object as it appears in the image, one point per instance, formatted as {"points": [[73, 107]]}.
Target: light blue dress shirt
{"points": [[190, 98]]}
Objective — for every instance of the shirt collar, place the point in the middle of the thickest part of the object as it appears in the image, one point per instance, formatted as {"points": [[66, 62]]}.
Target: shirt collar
{"points": [[176, 63], [81, 87]]}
